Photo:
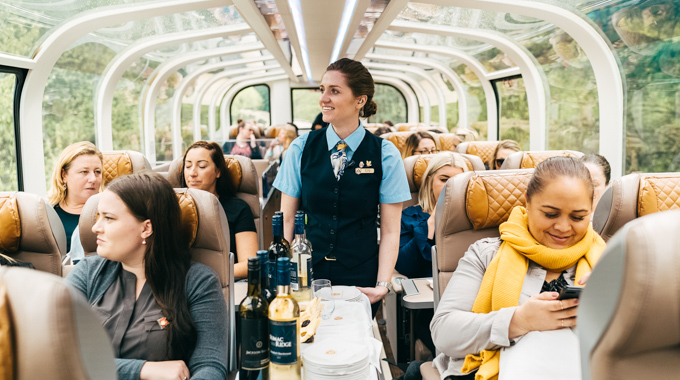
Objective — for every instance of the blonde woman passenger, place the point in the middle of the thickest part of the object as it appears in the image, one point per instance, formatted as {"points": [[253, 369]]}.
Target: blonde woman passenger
{"points": [[503, 150], [506, 288], [76, 177], [417, 222], [418, 143], [278, 147]]}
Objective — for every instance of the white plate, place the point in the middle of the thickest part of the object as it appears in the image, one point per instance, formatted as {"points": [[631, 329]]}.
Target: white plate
{"points": [[340, 292]]}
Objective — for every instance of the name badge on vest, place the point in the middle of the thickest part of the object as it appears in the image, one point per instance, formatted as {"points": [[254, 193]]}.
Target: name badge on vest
{"points": [[362, 170]]}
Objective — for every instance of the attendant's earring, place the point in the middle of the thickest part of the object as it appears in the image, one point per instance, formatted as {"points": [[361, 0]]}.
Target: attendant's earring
{"points": [[144, 241], [65, 187]]}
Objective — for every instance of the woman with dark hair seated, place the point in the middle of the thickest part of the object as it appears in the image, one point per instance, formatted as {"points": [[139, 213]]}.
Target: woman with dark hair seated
{"points": [[506, 288], [164, 314], [204, 168], [600, 172]]}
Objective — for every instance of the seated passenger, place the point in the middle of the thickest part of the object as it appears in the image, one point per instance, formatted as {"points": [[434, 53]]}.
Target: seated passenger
{"points": [[8, 261], [318, 122], [277, 148], [388, 124], [506, 288], [246, 144], [164, 314], [600, 172], [382, 130], [204, 168], [76, 177], [419, 143], [417, 222], [503, 150]]}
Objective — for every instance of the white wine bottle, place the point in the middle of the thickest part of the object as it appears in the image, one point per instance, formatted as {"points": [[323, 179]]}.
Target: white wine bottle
{"points": [[284, 328], [301, 262]]}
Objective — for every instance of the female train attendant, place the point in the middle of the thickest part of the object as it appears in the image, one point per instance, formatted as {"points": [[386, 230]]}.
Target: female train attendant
{"points": [[506, 288], [163, 313], [338, 176]]}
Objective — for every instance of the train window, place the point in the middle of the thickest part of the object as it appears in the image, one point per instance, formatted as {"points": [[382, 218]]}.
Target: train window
{"points": [[513, 111], [305, 106], [391, 104], [8, 155], [252, 104]]}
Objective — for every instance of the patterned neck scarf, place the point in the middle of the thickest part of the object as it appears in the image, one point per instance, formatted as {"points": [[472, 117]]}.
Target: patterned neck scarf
{"points": [[339, 159]]}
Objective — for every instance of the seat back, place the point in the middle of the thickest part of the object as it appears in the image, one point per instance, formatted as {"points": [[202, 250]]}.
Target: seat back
{"points": [[56, 334], [122, 162], [635, 195], [629, 313], [474, 204], [31, 231], [481, 149], [448, 141], [530, 159], [244, 176], [405, 127]]}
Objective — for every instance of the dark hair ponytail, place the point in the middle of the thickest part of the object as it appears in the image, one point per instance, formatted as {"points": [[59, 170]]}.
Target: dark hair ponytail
{"points": [[555, 167], [149, 196], [359, 80]]}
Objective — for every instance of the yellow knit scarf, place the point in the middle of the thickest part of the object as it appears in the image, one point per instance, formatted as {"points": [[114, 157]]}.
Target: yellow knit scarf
{"points": [[503, 279]]}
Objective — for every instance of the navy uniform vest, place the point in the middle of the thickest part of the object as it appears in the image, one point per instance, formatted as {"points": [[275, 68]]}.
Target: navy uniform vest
{"points": [[341, 215]]}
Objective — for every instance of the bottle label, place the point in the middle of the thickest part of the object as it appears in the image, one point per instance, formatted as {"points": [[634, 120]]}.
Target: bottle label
{"points": [[254, 343], [310, 272], [294, 284], [283, 342]]}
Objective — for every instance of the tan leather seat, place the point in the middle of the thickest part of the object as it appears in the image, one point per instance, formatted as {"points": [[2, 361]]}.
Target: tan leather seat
{"points": [[57, 336], [629, 313], [633, 196], [474, 205], [415, 169], [529, 160], [122, 162], [481, 149], [204, 226], [448, 141], [30, 230], [244, 176], [405, 127]]}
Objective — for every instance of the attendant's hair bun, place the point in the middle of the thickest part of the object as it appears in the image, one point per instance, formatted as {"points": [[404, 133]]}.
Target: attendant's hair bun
{"points": [[370, 109]]}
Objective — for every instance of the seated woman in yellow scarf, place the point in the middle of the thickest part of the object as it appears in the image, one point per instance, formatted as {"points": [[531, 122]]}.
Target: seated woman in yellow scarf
{"points": [[505, 288]]}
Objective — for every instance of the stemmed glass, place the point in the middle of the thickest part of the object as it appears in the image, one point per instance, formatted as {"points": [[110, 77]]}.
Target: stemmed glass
{"points": [[323, 290]]}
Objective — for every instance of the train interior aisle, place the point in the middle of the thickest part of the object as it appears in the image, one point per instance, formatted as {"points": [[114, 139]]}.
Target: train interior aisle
{"points": [[505, 84]]}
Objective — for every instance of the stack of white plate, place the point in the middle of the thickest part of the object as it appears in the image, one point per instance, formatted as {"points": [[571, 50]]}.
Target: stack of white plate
{"points": [[335, 359], [340, 292]]}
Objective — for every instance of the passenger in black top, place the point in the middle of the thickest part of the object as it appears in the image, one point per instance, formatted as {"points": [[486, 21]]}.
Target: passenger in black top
{"points": [[204, 168], [77, 176], [319, 123]]}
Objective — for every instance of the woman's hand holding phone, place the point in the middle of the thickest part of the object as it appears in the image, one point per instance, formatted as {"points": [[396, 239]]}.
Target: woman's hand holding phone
{"points": [[543, 312]]}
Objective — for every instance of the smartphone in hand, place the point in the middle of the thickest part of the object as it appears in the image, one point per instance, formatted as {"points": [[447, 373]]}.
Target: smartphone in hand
{"points": [[570, 292]]}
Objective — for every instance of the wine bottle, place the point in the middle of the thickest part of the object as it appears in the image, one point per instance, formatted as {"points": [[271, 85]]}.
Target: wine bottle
{"points": [[284, 328], [301, 263], [277, 249], [264, 276], [283, 236], [254, 323]]}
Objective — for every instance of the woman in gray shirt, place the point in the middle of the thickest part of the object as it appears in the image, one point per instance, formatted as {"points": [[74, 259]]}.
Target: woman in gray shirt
{"points": [[165, 315]]}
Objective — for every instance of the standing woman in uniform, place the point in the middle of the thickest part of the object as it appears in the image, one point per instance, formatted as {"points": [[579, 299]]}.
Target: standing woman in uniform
{"points": [[338, 176]]}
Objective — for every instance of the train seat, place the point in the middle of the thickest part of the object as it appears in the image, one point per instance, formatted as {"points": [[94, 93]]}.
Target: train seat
{"points": [[31, 231], [415, 169], [448, 141], [635, 195], [243, 174], [629, 311], [406, 127], [121, 162], [481, 149], [257, 130], [56, 335], [475, 204], [529, 160]]}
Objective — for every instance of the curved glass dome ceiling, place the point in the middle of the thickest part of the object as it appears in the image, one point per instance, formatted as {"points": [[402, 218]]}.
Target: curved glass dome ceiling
{"points": [[33, 20]]}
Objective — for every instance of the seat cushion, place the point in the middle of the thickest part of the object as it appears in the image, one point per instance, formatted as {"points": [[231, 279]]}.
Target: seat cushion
{"points": [[10, 223]]}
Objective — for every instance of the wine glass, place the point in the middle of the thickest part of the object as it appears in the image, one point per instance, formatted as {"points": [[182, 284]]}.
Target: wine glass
{"points": [[323, 290]]}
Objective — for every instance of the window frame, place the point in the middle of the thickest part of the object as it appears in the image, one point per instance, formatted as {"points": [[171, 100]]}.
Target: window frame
{"points": [[498, 101], [269, 100], [20, 75]]}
